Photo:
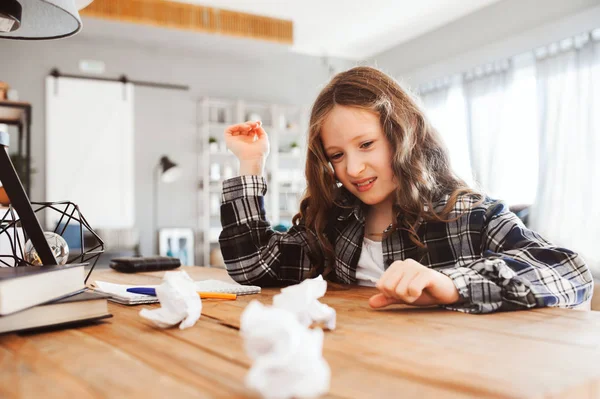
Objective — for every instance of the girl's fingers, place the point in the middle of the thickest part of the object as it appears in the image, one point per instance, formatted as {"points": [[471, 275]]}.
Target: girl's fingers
{"points": [[243, 128], [260, 132], [255, 129], [380, 301], [389, 281], [235, 130], [250, 125], [418, 284], [403, 290]]}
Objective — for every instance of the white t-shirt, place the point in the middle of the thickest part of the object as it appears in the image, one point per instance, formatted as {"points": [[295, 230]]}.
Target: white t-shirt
{"points": [[370, 264]]}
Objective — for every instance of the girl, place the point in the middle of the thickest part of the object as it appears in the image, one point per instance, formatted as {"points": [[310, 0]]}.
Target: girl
{"points": [[382, 207]]}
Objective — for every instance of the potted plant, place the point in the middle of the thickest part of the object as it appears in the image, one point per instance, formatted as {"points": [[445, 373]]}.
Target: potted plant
{"points": [[213, 144], [294, 148]]}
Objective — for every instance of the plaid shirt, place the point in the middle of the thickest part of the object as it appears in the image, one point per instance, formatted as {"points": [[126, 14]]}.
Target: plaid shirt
{"points": [[495, 262]]}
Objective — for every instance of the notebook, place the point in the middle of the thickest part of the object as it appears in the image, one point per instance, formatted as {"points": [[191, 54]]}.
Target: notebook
{"points": [[118, 292]]}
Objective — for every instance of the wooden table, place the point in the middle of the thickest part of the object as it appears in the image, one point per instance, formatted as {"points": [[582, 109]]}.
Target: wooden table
{"points": [[400, 352]]}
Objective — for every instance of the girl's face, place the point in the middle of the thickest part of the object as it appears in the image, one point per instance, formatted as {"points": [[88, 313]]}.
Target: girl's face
{"points": [[360, 153]]}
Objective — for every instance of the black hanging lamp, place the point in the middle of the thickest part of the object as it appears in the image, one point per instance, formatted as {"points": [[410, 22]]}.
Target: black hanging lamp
{"points": [[40, 19]]}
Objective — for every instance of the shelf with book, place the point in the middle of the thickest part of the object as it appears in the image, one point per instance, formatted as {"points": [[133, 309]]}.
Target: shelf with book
{"points": [[284, 169]]}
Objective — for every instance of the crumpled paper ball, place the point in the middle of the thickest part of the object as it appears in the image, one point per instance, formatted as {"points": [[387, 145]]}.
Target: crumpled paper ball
{"points": [[179, 302], [302, 300], [287, 356]]}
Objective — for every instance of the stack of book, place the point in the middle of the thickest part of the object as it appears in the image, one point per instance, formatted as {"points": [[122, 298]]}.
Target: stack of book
{"points": [[47, 296]]}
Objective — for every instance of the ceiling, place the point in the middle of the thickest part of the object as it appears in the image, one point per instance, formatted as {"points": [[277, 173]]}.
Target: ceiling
{"points": [[354, 29]]}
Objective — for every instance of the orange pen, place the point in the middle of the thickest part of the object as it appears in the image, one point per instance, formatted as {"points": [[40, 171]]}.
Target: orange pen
{"points": [[216, 295]]}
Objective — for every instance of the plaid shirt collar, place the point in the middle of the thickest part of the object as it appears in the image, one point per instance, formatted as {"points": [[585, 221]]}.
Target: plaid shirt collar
{"points": [[350, 205]]}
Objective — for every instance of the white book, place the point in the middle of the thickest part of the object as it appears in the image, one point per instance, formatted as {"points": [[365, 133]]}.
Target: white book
{"points": [[26, 286]]}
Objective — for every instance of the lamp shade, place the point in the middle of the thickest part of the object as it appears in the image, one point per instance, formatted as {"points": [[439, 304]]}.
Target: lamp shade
{"points": [[169, 171], [40, 19], [81, 4]]}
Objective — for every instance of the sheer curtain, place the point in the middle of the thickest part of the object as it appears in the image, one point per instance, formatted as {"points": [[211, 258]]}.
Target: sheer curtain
{"points": [[446, 110], [488, 123], [566, 209], [502, 130]]}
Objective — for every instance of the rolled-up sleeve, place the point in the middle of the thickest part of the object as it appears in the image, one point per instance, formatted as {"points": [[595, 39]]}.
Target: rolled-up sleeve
{"points": [[253, 252], [518, 269]]}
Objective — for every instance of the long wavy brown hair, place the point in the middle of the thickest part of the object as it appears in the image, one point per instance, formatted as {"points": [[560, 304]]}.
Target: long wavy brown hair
{"points": [[420, 161]]}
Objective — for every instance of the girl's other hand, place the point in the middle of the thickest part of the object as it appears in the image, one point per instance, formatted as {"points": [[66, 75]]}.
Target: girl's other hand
{"points": [[409, 282], [248, 141]]}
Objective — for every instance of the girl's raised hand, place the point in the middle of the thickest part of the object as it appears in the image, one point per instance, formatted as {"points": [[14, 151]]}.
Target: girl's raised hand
{"points": [[409, 282], [248, 141]]}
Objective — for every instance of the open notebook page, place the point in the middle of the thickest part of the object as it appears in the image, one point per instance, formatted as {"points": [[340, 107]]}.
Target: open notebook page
{"points": [[118, 292]]}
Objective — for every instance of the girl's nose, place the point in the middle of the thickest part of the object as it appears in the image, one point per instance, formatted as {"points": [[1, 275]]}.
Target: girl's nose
{"points": [[355, 167]]}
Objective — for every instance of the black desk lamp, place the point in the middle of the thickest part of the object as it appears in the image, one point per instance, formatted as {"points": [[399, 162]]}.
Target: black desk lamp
{"points": [[166, 171]]}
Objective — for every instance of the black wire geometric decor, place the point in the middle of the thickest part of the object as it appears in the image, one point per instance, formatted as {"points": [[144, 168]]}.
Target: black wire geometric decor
{"points": [[90, 246]]}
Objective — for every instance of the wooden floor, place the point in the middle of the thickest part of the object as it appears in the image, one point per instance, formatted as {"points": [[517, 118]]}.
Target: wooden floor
{"points": [[401, 352]]}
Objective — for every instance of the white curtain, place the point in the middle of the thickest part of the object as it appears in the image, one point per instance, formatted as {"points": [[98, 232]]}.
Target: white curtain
{"points": [[446, 110], [502, 133], [565, 209]]}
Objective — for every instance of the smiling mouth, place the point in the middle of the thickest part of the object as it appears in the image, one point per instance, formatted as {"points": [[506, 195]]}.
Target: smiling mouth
{"points": [[365, 183]]}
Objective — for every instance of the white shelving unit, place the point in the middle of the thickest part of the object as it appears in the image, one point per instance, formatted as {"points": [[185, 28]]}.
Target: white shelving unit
{"points": [[286, 126]]}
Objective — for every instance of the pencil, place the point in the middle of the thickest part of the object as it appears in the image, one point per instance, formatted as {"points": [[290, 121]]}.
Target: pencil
{"points": [[216, 295]]}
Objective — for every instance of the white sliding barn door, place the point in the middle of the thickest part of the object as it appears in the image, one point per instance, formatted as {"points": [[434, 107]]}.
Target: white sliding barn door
{"points": [[89, 149]]}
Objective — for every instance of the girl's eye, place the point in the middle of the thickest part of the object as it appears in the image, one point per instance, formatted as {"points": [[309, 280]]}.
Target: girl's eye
{"points": [[366, 145], [335, 156]]}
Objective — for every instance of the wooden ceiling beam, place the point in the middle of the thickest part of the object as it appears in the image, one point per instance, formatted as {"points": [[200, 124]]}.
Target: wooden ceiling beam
{"points": [[191, 17]]}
